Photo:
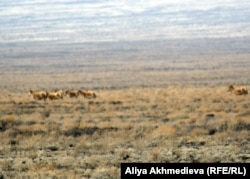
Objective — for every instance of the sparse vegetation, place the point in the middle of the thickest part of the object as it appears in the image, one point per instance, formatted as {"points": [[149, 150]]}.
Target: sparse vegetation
{"points": [[166, 127], [183, 113]]}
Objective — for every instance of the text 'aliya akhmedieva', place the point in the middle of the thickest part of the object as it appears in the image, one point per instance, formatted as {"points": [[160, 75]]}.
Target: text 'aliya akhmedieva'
{"points": [[162, 171]]}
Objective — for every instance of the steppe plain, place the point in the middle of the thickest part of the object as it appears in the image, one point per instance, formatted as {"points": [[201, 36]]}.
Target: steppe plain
{"points": [[157, 101]]}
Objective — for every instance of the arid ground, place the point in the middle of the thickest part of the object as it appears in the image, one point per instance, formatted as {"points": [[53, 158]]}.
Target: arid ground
{"points": [[156, 102]]}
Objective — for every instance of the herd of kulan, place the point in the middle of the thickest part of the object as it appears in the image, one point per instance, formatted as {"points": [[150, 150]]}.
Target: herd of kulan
{"points": [[59, 94]]}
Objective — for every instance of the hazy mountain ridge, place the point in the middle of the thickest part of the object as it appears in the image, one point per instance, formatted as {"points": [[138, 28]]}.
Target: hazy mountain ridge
{"points": [[157, 49]]}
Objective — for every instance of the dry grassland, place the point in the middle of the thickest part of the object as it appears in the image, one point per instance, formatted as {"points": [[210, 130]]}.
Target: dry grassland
{"points": [[79, 137], [145, 111]]}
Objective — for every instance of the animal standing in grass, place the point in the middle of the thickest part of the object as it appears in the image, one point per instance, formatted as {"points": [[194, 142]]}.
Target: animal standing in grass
{"points": [[72, 93], [54, 95], [237, 90], [88, 94], [38, 95], [61, 93]]}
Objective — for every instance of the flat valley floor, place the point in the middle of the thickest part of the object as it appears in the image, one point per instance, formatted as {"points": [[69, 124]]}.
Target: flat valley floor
{"points": [[163, 101]]}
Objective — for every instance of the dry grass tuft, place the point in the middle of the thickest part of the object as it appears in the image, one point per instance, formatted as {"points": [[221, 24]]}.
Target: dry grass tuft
{"points": [[165, 131], [8, 118]]}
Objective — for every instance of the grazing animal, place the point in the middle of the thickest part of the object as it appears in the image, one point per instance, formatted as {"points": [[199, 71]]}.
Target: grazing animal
{"points": [[38, 95], [72, 93], [60, 93], [88, 94], [53, 95], [237, 90]]}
